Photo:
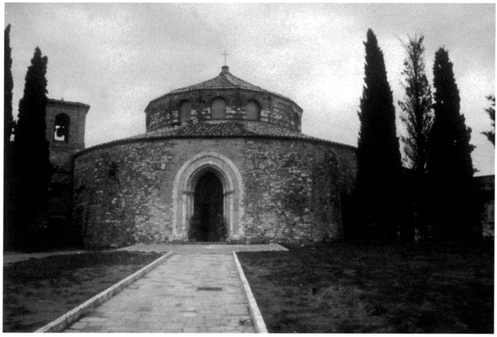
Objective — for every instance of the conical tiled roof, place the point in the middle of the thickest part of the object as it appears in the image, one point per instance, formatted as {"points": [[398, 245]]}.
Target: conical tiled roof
{"points": [[225, 80]]}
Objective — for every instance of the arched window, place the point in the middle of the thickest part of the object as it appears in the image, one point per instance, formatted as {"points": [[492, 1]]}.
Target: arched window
{"points": [[61, 128], [185, 111], [297, 120], [218, 108], [253, 110], [147, 119]]}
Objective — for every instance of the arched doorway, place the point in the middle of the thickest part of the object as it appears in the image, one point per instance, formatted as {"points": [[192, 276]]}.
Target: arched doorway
{"points": [[207, 223], [185, 184]]}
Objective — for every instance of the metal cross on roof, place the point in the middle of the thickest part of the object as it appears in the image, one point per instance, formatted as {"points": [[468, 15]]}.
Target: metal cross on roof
{"points": [[225, 54]]}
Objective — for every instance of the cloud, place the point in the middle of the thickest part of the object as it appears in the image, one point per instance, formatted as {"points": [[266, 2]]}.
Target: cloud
{"points": [[118, 57]]}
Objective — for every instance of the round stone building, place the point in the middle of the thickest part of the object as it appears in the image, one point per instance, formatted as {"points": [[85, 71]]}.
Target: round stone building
{"points": [[222, 160]]}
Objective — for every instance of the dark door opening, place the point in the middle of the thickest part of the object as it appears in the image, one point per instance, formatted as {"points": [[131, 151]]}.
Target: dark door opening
{"points": [[207, 217]]}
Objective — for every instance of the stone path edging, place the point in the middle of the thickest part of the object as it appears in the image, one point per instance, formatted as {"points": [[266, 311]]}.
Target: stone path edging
{"points": [[70, 317], [259, 324]]}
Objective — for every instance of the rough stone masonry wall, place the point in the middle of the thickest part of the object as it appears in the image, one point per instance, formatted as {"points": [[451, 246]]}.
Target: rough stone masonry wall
{"points": [[293, 188]]}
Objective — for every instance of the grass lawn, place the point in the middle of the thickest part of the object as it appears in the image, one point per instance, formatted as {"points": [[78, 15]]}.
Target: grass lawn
{"points": [[37, 291], [374, 288]]}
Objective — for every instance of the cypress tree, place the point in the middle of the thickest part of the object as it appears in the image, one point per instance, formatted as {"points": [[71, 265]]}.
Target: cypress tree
{"points": [[491, 113], [379, 164], [450, 168], [32, 152], [8, 123], [418, 118], [8, 120]]}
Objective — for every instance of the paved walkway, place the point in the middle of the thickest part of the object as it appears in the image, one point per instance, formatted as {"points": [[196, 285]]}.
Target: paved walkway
{"points": [[198, 289]]}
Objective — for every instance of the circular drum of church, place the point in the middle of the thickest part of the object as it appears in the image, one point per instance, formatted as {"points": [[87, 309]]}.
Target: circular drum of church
{"points": [[187, 189]]}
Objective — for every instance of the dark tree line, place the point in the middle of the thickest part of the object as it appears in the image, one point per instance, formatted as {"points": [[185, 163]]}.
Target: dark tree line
{"points": [[435, 195], [28, 165]]}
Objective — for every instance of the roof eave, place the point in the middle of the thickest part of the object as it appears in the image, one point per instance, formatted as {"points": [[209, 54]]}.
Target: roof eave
{"points": [[165, 137]]}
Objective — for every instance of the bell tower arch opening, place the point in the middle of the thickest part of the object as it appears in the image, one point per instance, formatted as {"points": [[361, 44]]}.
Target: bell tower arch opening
{"points": [[61, 127]]}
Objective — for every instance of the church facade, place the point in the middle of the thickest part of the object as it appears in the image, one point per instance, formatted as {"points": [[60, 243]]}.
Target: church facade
{"points": [[222, 160]]}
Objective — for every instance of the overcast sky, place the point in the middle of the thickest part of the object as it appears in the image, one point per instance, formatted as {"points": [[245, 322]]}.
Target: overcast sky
{"points": [[118, 57]]}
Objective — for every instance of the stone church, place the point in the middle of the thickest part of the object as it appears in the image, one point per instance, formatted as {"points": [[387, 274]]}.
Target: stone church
{"points": [[222, 160]]}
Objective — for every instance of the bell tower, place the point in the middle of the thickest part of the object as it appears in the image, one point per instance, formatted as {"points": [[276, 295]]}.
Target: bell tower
{"points": [[65, 128], [66, 136]]}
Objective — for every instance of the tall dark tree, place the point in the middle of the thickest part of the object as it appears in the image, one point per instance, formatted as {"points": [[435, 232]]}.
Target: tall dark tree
{"points": [[379, 162], [450, 168], [8, 120], [417, 117], [8, 123], [32, 151], [491, 113]]}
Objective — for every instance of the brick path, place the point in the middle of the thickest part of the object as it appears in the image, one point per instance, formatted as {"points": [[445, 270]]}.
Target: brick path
{"points": [[198, 289]]}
